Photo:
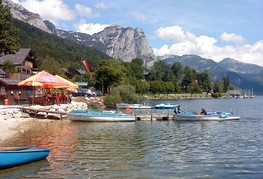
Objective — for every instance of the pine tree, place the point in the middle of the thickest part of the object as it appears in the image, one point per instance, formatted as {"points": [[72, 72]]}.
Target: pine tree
{"points": [[8, 42]]}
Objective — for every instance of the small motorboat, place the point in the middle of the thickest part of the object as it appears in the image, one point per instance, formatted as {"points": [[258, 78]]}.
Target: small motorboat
{"points": [[100, 116], [132, 106], [166, 106], [211, 116], [22, 155]]}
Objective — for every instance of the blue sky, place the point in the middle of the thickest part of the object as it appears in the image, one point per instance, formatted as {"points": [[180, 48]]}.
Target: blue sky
{"points": [[211, 29]]}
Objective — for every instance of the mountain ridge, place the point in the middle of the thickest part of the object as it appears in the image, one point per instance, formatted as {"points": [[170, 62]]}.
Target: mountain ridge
{"points": [[128, 43], [238, 75]]}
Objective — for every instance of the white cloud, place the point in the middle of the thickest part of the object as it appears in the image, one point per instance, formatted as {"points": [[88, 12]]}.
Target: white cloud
{"points": [[91, 28], [85, 11], [53, 10], [100, 5], [174, 34], [139, 15], [205, 46], [231, 37]]}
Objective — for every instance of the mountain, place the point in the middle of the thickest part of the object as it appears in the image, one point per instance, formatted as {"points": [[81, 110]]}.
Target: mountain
{"points": [[127, 44], [22, 14], [241, 75], [115, 41], [239, 67]]}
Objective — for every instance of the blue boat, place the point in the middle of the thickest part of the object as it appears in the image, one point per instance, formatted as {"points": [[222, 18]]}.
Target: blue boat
{"points": [[100, 116], [23, 155], [210, 116]]}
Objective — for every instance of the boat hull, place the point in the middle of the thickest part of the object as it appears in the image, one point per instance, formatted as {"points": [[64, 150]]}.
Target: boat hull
{"points": [[215, 116], [166, 106], [20, 156], [132, 106], [104, 116]]}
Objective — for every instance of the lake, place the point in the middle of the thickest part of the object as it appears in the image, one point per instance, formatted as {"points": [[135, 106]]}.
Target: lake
{"points": [[151, 149]]}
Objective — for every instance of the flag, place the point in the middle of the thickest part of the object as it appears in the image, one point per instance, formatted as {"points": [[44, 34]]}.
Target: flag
{"points": [[85, 63]]}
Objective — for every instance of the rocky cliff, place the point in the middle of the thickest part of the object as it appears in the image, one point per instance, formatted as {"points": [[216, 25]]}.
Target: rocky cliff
{"points": [[115, 41]]}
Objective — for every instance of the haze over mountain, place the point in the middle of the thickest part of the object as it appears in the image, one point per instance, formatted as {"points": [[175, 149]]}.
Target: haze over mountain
{"points": [[241, 75]]}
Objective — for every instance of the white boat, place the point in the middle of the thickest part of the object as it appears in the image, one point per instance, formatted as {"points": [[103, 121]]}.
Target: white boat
{"points": [[132, 106], [166, 106], [211, 116], [99, 116]]}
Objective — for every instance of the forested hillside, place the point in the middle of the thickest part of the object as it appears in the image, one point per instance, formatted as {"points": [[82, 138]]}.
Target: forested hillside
{"points": [[60, 52]]}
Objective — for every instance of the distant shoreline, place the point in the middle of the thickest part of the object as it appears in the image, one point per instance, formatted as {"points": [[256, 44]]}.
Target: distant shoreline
{"points": [[178, 96]]}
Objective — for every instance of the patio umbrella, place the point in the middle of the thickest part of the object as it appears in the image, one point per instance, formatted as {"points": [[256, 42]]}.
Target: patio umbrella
{"points": [[43, 79], [70, 86]]}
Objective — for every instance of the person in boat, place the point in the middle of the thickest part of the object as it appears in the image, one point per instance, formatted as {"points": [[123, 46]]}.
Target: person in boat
{"points": [[178, 110], [203, 112]]}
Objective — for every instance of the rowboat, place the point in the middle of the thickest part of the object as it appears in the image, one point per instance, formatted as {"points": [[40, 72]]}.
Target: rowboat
{"points": [[99, 116], [211, 116], [23, 155]]}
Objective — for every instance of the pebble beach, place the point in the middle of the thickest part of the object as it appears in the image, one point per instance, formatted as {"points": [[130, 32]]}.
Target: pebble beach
{"points": [[14, 121]]}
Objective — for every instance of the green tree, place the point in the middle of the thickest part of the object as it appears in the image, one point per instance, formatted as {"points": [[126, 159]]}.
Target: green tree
{"points": [[188, 78], [204, 81], [177, 69], [109, 73], [159, 71], [122, 94], [226, 82], [157, 86], [144, 87], [8, 43], [50, 65], [218, 87], [8, 67], [136, 67], [194, 88]]}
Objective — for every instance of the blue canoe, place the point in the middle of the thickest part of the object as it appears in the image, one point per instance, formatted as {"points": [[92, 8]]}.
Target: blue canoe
{"points": [[23, 155]]}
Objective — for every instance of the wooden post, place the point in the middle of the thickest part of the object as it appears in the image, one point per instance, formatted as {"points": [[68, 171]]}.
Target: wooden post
{"points": [[151, 114]]}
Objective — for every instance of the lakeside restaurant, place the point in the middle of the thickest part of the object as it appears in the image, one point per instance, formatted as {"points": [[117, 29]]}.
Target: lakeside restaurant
{"points": [[14, 94]]}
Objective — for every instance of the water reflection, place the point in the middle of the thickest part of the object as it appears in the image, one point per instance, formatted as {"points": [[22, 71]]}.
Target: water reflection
{"points": [[146, 149]]}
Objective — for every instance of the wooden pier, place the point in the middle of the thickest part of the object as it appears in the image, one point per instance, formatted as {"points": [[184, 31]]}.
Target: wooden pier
{"points": [[147, 114], [35, 112], [153, 114]]}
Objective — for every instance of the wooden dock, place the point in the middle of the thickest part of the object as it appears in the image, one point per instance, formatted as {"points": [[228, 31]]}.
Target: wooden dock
{"points": [[35, 112], [140, 113], [153, 114]]}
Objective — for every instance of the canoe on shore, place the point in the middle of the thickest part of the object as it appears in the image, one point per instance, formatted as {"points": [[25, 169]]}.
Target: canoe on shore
{"points": [[13, 157]]}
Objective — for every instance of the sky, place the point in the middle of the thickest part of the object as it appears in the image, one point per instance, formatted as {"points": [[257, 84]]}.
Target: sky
{"points": [[208, 28]]}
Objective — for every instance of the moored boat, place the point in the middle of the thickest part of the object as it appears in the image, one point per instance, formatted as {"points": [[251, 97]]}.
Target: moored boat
{"points": [[100, 116], [211, 116], [166, 106], [23, 155], [132, 106]]}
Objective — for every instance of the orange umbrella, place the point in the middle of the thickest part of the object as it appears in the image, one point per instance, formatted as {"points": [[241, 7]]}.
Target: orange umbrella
{"points": [[43, 79], [70, 86]]}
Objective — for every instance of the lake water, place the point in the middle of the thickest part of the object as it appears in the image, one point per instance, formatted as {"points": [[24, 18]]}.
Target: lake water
{"points": [[151, 149]]}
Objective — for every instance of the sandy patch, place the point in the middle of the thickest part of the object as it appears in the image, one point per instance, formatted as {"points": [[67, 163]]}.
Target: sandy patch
{"points": [[9, 127]]}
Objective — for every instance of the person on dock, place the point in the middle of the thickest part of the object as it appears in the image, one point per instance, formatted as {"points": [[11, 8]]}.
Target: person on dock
{"points": [[178, 110]]}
